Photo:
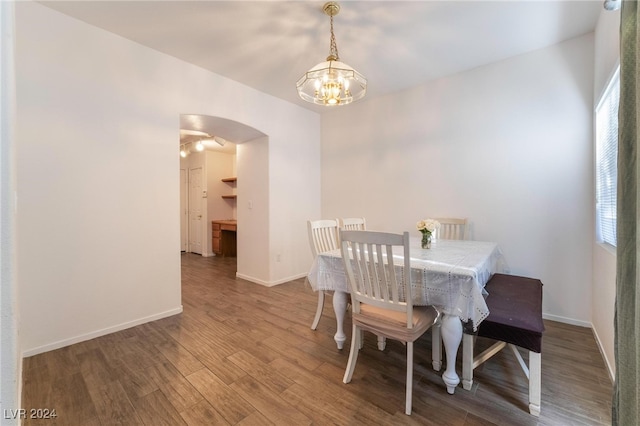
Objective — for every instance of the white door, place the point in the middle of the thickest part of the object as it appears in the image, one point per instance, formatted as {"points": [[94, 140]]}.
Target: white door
{"points": [[184, 216], [195, 210]]}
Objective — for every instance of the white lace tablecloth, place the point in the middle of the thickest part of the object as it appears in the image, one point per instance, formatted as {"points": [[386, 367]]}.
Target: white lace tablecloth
{"points": [[451, 275]]}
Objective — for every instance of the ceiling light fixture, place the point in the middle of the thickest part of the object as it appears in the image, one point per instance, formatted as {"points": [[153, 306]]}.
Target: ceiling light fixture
{"points": [[332, 82], [183, 151], [219, 140], [199, 146]]}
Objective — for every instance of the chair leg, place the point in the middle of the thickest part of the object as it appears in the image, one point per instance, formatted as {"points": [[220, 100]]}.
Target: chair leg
{"points": [[409, 391], [535, 382], [319, 309], [436, 347], [353, 353]]}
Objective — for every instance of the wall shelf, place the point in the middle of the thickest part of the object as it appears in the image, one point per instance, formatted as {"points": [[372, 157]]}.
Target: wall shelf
{"points": [[231, 180]]}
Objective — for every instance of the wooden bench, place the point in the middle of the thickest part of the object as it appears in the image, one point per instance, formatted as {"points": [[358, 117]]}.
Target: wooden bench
{"points": [[515, 319]]}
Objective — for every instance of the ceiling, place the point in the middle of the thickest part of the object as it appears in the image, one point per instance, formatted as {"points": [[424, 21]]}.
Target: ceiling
{"points": [[268, 45]]}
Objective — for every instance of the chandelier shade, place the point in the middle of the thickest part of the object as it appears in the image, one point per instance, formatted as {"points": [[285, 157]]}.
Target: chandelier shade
{"points": [[332, 83]]}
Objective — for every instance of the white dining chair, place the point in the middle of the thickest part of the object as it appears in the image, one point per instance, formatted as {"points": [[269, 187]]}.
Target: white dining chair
{"points": [[353, 224], [323, 237], [452, 229], [382, 296]]}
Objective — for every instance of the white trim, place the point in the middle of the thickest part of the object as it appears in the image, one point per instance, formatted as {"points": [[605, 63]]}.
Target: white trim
{"points": [[83, 337], [566, 320], [269, 283], [608, 363]]}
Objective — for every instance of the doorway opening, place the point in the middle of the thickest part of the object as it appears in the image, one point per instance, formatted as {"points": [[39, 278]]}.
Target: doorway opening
{"points": [[210, 185]]}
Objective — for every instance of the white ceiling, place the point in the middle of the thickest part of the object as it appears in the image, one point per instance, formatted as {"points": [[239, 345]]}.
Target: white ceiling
{"points": [[268, 45]]}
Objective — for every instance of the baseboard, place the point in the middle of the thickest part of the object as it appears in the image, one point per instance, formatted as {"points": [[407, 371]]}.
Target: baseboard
{"points": [[607, 362], [269, 283], [83, 337], [566, 320]]}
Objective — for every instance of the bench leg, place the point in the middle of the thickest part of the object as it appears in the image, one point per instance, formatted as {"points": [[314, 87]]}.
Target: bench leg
{"points": [[535, 382], [436, 347], [467, 360]]}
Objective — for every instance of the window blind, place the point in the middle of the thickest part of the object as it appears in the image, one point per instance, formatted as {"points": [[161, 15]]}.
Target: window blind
{"points": [[607, 161]]}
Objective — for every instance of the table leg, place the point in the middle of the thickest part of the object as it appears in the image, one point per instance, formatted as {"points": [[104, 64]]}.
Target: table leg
{"points": [[451, 330], [340, 308]]}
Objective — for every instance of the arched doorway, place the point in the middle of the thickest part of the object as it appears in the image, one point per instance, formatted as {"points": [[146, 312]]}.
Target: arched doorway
{"points": [[210, 181]]}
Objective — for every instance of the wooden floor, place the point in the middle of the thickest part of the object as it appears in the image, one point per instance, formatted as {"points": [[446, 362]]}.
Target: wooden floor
{"points": [[243, 354]]}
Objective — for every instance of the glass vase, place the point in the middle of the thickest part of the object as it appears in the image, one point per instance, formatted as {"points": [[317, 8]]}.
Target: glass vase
{"points": [[426, 240]]}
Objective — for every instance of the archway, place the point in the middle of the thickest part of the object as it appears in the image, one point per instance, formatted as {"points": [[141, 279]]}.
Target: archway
{"points": [[214, 196]]}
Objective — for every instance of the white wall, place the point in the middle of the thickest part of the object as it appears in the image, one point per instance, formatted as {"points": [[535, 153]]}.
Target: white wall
{"points": [[10, 356], [607, 56], [98, 177], [253, 211], [507, 145]]}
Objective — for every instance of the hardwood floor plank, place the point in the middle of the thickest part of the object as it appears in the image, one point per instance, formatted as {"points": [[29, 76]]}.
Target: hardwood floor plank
{"points": [[223, 398], [154, 409], [113, 405], [217, 363], [180, 357], [255, 419], [70, 399], [293, 354], [270, 405], [203, 414], [136, 383], [254, 367], [96, 369], [173, 384], [319, 409]]}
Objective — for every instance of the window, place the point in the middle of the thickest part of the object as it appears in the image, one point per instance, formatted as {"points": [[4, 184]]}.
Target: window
{"points": [[607, 161]]}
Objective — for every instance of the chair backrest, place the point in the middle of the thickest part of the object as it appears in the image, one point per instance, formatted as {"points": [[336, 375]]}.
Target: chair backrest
{"points": [[323, 235], [452, 229], [374, 278], [353, 224]]}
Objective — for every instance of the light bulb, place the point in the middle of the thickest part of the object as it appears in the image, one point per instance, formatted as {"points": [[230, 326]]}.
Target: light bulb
{"points": [[199, 146]]}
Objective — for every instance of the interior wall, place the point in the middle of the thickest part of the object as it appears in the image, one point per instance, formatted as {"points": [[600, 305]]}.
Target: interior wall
{"points": [[254, 198], [10, 352], [607, 58], [507, 145], [98, 176]]}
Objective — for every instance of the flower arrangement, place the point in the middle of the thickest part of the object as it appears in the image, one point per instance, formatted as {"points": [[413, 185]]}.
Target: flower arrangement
{"points": [[427, 227]]}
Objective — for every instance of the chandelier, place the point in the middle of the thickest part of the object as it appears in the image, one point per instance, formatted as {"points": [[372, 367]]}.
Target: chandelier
{"points": [[332, 82]]}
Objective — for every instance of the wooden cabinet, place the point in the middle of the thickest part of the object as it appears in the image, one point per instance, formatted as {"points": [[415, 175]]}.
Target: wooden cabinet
{"points": [[223, 237], [232, 181]]}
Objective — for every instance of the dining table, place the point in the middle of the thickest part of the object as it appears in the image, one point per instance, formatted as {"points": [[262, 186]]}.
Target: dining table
{"points": [[449, 275]]}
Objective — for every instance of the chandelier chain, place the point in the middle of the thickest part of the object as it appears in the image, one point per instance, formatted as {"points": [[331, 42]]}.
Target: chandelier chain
{"points": [[333, 47]]}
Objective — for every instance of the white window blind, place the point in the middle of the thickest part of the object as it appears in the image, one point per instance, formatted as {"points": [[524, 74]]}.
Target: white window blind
{"points": [[607, 161]]}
